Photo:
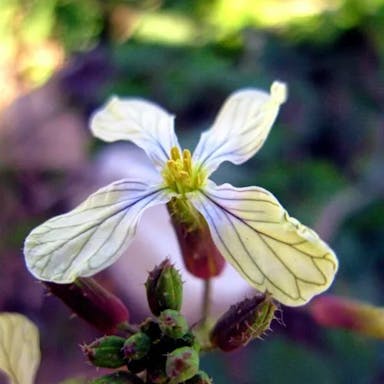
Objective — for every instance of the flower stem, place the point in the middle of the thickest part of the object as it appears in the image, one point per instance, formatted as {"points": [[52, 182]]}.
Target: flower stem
{"points": [[127, 328], [206, 304]]}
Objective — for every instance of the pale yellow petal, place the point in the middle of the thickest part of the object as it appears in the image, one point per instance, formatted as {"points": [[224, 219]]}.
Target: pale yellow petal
{"points": [[270, 249], [144, 123], [19, 348], [241, 127], [91, 237]]}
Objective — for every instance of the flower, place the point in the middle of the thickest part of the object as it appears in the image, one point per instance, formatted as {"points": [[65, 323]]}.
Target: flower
{"points": [[252, 231]]}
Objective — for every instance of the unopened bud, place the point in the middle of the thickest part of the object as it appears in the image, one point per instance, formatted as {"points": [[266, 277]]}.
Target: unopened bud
{"points": [[92, 302], [164, 288], [243, 322], [339, 312], [200, 378], [106, 352], [182, 364], [120, 377], [173, 323], [200, 254], [136, 346]]}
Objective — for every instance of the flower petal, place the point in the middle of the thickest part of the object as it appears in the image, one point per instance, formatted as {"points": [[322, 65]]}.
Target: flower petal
{"points": [[19, 348], [270, 249], [144, 123], [241, 127], [93, 235]]}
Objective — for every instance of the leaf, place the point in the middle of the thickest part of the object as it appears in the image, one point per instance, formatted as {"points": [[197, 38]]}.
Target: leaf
{"points": [[270, 249], [19, 348]]}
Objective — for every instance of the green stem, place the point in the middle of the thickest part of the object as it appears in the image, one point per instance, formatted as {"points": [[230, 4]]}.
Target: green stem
{"points": [[128, 328], [206, 304]]}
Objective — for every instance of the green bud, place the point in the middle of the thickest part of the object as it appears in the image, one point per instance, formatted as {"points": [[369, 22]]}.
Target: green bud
{"points": [[173, 323], [182, 364], [120, 377], [243, 322], [200, 378], [136, 346], [164, 288], [106, 352]]}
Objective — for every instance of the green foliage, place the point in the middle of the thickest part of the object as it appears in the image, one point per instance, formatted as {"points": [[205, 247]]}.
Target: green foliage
{"points": [[78, 23]]}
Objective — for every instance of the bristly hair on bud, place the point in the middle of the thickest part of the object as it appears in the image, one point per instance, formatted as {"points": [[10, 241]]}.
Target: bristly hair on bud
{"points": [[92, 302], [164, 288], [244, 321]]}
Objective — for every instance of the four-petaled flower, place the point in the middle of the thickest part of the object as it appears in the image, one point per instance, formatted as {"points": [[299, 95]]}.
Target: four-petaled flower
{"points": [[249, 227]]}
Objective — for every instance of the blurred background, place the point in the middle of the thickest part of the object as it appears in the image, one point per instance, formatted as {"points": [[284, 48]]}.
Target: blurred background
{"points": [[324, 158]]}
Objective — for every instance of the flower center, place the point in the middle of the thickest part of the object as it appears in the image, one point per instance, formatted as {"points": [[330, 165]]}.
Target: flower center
{"points": [[179, 174]]}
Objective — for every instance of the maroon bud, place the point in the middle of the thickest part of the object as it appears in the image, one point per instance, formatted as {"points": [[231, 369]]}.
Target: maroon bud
{"points": [[200, 255], [243, 322], [93, 303], [338, 312]]}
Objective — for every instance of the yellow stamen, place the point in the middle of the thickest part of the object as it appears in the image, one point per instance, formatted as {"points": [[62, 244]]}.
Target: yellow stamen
{"points": [[187, 161], [180, 175], [175, 153]]}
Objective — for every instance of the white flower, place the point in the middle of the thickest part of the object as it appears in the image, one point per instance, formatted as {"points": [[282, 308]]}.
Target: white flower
{"points": [[252, 231]]}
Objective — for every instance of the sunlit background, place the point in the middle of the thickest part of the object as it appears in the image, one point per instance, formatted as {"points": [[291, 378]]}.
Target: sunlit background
{"points": [[324, 159]]}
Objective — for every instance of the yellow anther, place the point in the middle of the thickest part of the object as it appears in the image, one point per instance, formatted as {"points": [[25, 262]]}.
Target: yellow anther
{"points": [[187, 161], [179, 174], [175, 153]]}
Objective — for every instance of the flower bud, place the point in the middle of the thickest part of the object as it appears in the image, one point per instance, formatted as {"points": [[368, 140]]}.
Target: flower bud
{"points": [[243, 322], [120, 377], [200, 254], [173, 323], [200, 378], [92, 302], [136, 346], [164, 288], [182, 364], [106, 352], [338, 312]]}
